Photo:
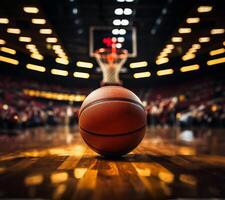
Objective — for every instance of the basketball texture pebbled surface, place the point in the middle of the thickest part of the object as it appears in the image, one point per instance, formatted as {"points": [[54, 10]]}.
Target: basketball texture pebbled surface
{"points": [[112, 120]]}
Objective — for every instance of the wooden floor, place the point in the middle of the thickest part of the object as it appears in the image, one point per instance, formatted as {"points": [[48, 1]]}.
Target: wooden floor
{"points": [[54, 163]]}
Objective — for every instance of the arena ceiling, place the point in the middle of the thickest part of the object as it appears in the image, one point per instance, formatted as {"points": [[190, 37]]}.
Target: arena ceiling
{"points": [[170, 34]]}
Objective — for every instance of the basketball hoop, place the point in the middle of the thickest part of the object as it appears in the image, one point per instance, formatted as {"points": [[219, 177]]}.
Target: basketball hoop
{"points": [[111, 61]]}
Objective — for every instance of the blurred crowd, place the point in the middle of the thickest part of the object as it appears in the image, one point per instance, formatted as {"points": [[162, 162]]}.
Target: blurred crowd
{"points": [[18, 110], [200, 103]]}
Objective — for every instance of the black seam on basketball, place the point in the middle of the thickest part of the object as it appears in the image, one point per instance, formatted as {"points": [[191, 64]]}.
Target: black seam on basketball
{"points": [[111, 99], [112, 135]]}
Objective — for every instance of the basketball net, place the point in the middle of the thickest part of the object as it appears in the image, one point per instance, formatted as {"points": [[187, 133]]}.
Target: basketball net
{"points": [[111, 61]]}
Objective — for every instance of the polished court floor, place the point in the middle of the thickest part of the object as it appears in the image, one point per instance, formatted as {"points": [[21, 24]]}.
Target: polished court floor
{"points": [[54, 163]]}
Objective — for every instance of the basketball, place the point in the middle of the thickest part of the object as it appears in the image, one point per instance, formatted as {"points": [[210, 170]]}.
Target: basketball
{"points": [[112, 121]]}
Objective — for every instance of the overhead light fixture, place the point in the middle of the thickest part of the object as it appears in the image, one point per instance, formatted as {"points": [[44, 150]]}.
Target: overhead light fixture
{"points": [[84, 64], [31, 46], [170, 46], [45, 31], [56, 46], [116, 22], [203, 9], [122, 31], [189, 68], [184, 30], [2, 42], [31, 10], [38, 21], [115, 31], [188, 56], [9, 60], [196, 46], [24, 39], [118, 45], [167, 50], [217, 51], [8, 50], [51, 39], [193, 20], [142, 75], [164, 72], [138, 64], [204, 39], [81, 75], [4, 20], [118, 11], [121, 39], [162, 61], [176, 39], [127, 11], [124, 22], [36, 67], [59, 72], [62, 61], [13, 30], [216, 61], [75, 11], [37, 56], [217, 31]]}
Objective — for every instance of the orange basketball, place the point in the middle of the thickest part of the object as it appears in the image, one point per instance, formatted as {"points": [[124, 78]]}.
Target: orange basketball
{"points": [[112, 120]]}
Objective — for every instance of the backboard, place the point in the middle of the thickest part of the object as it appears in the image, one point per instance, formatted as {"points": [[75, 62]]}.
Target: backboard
{"points": [[100, 37]]}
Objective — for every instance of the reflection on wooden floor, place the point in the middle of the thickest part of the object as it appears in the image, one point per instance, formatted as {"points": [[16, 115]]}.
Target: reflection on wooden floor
{"points": [[54, 163]]}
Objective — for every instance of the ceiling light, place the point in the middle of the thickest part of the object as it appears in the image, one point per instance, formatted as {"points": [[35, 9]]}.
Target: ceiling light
{"points": [[170, 46], [204, 39], [31, 46], [193, 20], [45, 31], [138, 64], [118, 45], [203, 9], [37, 56], [59, 72], [116, 22], [30, 9], [115, 31], [81, 75], [124, 22], [2, 42], [127, 11], [56, 46], [84, 64], [177, 39], [191, 50], [216, 52], [38, 21], [163, 54], [36, 67], [217, 31], [120, 39], [196, 46], [25, 39], [118, 11], [184, 30], [216, 61], [188, 57], [51, 40], [142, 75], [165, 72], [62, 61], [122, 31], [13, 30], [189, 68], [75, 11], [167, 51], [4, 20], [9, 60], [8, 50], [162, 61]]}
